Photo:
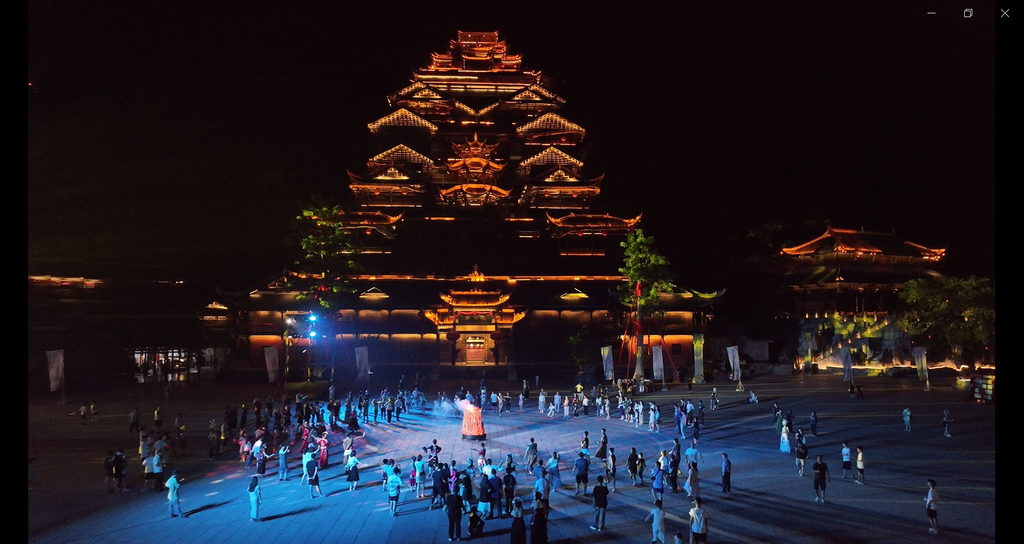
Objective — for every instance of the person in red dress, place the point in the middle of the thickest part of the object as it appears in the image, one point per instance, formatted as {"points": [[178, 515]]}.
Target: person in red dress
{"points": [[322, 442]]}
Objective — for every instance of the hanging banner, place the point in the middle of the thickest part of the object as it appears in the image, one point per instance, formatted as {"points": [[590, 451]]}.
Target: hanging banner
{"points": [[847, 360], [362, 363], [606, 358], [734, 362], [273, 366], [657, 363], [921, 360], [55, 363]]}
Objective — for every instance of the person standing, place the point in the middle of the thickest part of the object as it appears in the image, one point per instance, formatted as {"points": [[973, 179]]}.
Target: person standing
{"points": [[585, 444], [673, 471], [453, 507], [610, 468], [518, 531], [282, 462], [846, 459], [946, 420], [692, 455], [931, 506], [814, 423], [600, 495], [727, 473], [494, 482], [542, 488], [657, 518], [158, 470], [860, 465], [784, 439], [539, 525], [173, 504], [120, 465], [508, 486], [698, 523], [821, 478], [394, 487], [157, 419], [134, 419], [602, 448], [255, 499], [906, 419], [312, 471]]}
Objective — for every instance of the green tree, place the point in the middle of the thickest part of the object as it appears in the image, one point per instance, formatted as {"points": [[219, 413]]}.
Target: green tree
{"points": [[584, 346], [326, 254], [953, 317], [647, 277]]}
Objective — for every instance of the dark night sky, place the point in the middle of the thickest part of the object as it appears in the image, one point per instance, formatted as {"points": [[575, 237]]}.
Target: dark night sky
{"points": [[176, 139]]}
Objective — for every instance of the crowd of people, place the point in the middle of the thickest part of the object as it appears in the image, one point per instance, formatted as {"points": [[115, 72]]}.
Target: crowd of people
{"points": [[481, 489]]}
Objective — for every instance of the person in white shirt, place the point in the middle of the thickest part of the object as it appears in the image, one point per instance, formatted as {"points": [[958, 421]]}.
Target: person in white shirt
{"points": [[698, 523], [173, 483], [931, 504], [657, 517]]}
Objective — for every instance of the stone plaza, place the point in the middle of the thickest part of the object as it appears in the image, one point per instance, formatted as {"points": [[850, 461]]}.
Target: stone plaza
{"points": [[769, 503]]}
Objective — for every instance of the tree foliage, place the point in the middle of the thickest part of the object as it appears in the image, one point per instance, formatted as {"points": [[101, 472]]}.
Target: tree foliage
{"points": [[953, 317], [325, 254], [644, 265]]}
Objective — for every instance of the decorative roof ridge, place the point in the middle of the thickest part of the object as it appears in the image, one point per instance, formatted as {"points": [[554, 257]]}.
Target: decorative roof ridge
{"points": [[551, 151], [551, 117], [399, 114]]}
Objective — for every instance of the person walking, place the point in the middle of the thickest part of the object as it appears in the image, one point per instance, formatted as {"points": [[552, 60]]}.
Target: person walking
{"points": [[860, 465], [946, 420], [658, 482], [692, 483], [352, 470], [657, 518], [632, 461], [698, 523], [726, 473], [173, 503], [801, 457], [453, 507], [255, 499], [530, 457], [931, 507], [552, 469], [600, 495], [821, 478], [906, 419]]}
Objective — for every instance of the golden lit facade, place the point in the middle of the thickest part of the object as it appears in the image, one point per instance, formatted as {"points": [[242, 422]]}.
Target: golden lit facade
{"points": [[474, 225]]}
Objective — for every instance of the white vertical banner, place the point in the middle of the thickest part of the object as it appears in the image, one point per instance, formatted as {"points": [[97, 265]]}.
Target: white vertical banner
{"points": [[362, 363], [273, 365], [847, 360], [921, 360], [657, 362], [606, 359], [55, 364], [734, 361]]}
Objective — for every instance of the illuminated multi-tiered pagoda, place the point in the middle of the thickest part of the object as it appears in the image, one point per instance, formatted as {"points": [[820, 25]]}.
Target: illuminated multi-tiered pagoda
{"points": [[476, 227]]}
